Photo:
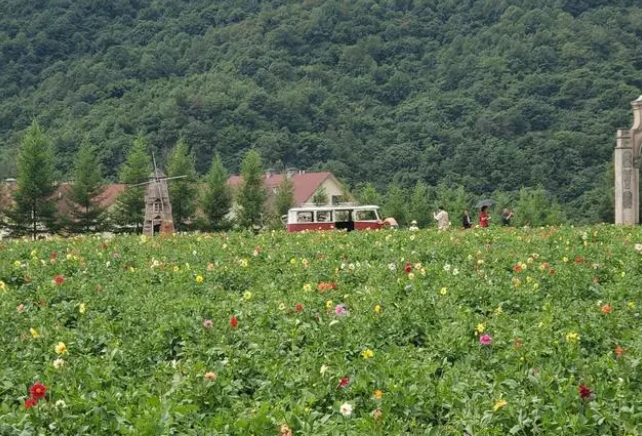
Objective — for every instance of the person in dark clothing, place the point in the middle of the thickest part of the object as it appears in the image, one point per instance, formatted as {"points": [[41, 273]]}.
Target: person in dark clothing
{"points": [[506, 216], [466, 222]]}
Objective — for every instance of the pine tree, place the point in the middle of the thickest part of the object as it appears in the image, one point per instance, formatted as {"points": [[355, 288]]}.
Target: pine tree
{"points": [[420, 210], [85, 213], [395, 204], [33, 203], [252, 192], [284, 198], [368, 195], [136, 170], [217, 199], [182, 192]]}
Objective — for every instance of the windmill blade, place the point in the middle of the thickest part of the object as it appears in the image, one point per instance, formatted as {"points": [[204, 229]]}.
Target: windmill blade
{"points": [[171, 178], [141, 184]]}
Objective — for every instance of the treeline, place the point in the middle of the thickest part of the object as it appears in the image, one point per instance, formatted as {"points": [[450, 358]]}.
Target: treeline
{"points": [[530, 206], [198, 203], [486, 94]]}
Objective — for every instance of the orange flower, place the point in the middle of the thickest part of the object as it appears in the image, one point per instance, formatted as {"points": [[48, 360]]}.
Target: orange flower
{"points": [[618, 351], [378, 394], [606, 309]]}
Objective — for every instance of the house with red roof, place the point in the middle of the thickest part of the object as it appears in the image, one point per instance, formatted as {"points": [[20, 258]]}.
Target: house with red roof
{"points": [[306, 185]]}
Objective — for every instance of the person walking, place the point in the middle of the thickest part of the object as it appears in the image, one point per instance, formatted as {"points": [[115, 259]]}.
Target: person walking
{"points": [[506, 216], [466, 222], [484, 217], [442, 218]]}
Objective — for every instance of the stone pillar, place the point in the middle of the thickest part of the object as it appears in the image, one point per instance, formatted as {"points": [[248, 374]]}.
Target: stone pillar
{"points": [[624, 179], [627, 169]]}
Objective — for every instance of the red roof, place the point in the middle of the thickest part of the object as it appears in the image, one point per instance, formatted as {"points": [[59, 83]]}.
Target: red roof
{"points": [[305, 184]]}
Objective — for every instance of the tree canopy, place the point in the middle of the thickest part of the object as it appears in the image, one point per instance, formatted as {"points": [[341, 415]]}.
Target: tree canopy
{"points": [[493, 95]]}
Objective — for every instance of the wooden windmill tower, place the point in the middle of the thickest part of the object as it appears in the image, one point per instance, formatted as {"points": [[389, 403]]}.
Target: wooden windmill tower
{"points": [[158, 208]]}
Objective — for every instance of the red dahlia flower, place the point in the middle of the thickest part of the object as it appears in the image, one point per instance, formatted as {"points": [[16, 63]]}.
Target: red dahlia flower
{"points": [[344, 382], [59, 279], [585, 392], [30, 402], [38, 390], [298, 307], [234, 322], [408, 268]]}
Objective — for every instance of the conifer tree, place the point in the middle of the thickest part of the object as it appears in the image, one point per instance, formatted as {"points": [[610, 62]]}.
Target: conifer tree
{"points": [[395, 203], [33, 203], [217, 198], [420, 210], [252, 193], [136, 170], [284, 197], [182, 192], [368, 195], [85, 213]]}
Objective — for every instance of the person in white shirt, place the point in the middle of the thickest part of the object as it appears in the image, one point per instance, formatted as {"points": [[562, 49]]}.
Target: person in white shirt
{"points": [[413, 226], [442, 218]]}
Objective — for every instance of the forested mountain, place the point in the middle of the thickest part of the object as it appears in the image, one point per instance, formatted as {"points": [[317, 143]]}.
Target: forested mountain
{"points": [[491, 94]]}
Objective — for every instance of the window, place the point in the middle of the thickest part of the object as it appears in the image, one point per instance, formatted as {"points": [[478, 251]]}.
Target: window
{"points": [[338, 199], [304, 217], [366, 215], [157, 205], [342, 215], [324, 216]]}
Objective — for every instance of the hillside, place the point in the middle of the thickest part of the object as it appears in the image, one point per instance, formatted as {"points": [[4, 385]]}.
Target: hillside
{"points": [[492, 94]]}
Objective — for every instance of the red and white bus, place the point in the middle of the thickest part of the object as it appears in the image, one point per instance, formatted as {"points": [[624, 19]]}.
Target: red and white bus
{"points": [[333, 217]]}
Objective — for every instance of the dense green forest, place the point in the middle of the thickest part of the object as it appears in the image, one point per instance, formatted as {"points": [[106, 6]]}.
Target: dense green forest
{"points": [[489, 94]]}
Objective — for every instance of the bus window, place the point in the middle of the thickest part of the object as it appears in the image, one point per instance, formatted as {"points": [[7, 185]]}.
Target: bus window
{"points": [[342, 215], [324, 216], [367, 215], [304, 217]]}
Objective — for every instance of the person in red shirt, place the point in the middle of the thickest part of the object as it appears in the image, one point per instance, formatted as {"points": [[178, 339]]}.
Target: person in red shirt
{"points": [[484, 218]]}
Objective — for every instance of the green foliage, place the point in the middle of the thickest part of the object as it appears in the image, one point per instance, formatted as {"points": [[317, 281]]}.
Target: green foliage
{"points": [[284, 197], [130, 207], [182, 192], [492, 95], [535, 208], [456, 200], [34, 208], [85, 212], [320, 197], [420, 209], [217, 198], [252, 193], [368, 194], [395, 204], [151, 349]]}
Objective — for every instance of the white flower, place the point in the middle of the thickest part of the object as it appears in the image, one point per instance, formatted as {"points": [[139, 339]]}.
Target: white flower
{"points": [[392, 267], [61, 404], [638, 248], [447, 267], [58, 363], [324, 369], [455, 271], [346, 409]]}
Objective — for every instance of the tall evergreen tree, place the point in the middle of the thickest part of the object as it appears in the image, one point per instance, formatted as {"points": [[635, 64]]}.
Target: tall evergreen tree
{"points": [[136, 170], [284, 197], [85, 213], [182, 192], [217, 198], [252, 193], [395, 204], [420, 210], [33, 202], [368, 194]]}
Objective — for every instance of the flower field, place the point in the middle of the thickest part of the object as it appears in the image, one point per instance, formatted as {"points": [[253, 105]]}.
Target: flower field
{"points": [[525, 332]]}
